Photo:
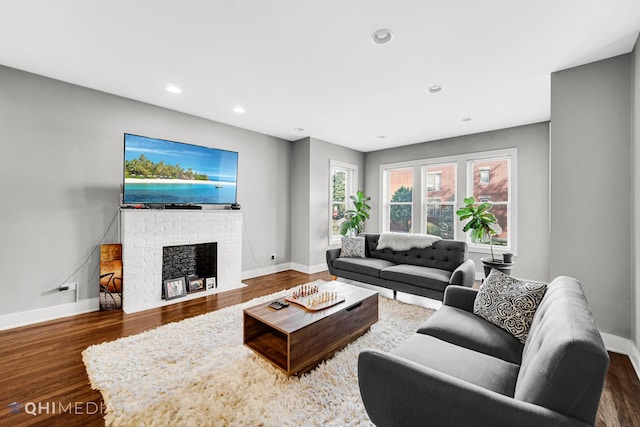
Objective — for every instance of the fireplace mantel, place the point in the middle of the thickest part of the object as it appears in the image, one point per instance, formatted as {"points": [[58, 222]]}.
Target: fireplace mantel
{"points": [[145, 232]]}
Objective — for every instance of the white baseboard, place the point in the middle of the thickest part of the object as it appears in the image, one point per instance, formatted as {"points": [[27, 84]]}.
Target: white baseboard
{"points": [[635, 359], [24, 318], [257, 272], [306, 269], [309, 269], [624, 346]]}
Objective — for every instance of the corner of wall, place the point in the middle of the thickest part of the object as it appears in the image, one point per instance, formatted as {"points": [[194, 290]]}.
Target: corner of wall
{"points": [[616, 344], [635, 189]]}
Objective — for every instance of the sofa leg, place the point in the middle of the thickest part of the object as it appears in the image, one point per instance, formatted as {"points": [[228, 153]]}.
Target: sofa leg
{"points": [[335, 277], [395, 294]]}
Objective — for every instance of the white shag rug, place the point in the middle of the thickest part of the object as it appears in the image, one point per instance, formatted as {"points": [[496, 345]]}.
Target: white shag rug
{"points": [[197, 372]]}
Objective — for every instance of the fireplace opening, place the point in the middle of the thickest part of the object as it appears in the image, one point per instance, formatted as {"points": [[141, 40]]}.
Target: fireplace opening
{"points": [[189, 268]]}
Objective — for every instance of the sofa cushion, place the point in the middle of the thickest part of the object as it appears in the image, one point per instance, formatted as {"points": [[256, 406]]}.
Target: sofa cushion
{"points": [[368, 266], [352, 247], [459, 362], [463, 328], [416, 275], [509, 303]]}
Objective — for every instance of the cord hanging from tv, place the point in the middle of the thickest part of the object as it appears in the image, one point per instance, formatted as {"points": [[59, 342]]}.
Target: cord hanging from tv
{"points": [[177, 175]]}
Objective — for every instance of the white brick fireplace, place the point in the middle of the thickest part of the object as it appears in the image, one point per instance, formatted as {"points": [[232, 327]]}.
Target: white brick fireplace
{"points": [[145, 232]]}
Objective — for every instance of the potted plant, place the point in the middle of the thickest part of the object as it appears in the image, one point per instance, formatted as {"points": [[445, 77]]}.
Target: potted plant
{"points": [[483, 225], [354, 218]]}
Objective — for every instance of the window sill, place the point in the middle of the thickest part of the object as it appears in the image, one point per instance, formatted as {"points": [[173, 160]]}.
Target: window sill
{"points": [[498, 250]]}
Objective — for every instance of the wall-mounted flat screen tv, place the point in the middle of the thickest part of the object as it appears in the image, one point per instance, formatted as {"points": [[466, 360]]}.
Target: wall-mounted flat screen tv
{"points": [[157, 171]]}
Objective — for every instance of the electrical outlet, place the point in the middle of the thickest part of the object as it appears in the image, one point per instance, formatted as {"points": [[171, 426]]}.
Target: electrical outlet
{"points": [[273, 256]]}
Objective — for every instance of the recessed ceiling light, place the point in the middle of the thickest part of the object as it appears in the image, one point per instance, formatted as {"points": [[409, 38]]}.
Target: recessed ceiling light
{"points": [[238, 109], [381, 136], [382, 36], [173, 89], [435, 89], [466, 119], [298, 129]]}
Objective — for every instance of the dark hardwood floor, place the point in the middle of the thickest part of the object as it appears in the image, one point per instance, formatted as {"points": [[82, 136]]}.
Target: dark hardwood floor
{"points": [[41, 366]]}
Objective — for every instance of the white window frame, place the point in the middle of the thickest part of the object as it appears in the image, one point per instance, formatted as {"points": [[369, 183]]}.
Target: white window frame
{"points": [[385, 205], [463, 189], [351, 188], [512, 206], [424, 202]]}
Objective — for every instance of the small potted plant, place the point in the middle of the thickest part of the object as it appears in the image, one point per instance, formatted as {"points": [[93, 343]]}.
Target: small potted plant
{"points": [[483, 225], [354, 219]]}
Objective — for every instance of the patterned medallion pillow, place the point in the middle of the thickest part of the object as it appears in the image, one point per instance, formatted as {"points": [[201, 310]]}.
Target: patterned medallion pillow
{"points": [[352, 247], [509, 303]]}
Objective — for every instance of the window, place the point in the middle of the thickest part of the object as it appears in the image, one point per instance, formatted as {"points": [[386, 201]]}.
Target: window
{"points": [[489, 181], [434, 181], [399, 199], [343, 179], [440, 187], [485, 175], [440, 199]]}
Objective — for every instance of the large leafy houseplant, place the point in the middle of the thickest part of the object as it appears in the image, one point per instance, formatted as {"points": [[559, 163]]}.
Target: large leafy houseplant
{"points": [[482, 223], [354, 218]]}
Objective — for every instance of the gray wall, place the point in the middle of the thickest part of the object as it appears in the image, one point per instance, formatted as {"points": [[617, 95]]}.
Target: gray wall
{"points": [[532, 142], [321, 153], [635, 183], [590, 192], [300, 206], [310, 198], [61, 170]]}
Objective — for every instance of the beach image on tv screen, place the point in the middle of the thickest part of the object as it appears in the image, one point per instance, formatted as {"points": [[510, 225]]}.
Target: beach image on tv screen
{"points": [[166, 172]]}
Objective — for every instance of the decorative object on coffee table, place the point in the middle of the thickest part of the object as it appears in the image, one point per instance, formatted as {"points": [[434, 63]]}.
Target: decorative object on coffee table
{"points": [[313, 298], [110, 277], [174, 288]]}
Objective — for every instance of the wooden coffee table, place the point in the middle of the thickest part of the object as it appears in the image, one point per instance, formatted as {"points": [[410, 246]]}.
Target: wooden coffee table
{"points": [[296, 339]]}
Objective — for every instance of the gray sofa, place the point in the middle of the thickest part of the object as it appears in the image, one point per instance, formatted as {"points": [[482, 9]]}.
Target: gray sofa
{"points": [[426, 272], [460, 370]]}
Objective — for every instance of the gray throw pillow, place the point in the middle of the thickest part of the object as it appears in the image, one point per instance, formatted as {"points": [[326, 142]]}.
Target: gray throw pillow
{"points": [[509, 303], [352, 247]]}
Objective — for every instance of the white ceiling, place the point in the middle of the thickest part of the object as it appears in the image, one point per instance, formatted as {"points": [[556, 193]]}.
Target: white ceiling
{"points": [[310, 64]]}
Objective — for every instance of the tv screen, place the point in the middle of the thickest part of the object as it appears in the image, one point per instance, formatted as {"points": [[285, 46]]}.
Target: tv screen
{"points": [[157, 171]]}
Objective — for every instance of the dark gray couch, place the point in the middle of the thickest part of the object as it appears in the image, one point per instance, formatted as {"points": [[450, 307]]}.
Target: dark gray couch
{"points": [[459, 370], [426, 272]]}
